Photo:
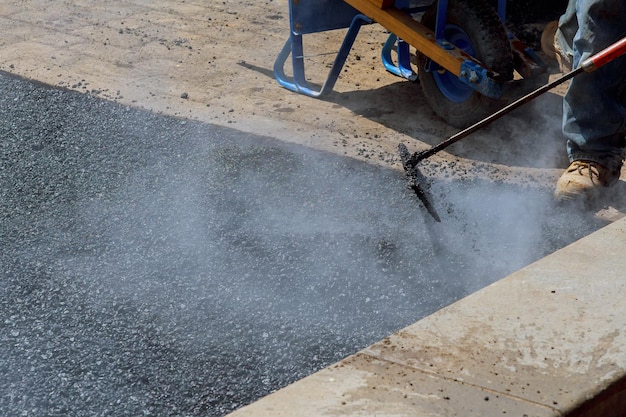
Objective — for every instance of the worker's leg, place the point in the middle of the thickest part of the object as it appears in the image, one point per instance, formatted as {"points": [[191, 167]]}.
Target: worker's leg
{"points": [[594, 106], [594, 119]]}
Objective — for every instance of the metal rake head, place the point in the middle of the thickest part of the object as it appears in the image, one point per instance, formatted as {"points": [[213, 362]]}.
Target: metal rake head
{"points": [[416, 181]]}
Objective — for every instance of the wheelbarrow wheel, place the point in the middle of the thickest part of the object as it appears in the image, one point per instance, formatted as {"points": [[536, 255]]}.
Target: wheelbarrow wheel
{"points": [[473, 26]]}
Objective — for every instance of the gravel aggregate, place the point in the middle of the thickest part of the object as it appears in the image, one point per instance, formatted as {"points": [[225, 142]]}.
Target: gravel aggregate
{"points": [[156, 266]]}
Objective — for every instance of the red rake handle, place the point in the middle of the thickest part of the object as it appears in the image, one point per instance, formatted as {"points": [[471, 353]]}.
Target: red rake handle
{"points": [[605, 56]]}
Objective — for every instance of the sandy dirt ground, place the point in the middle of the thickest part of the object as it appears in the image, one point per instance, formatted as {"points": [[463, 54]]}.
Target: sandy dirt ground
{"points": [[213, 62]]}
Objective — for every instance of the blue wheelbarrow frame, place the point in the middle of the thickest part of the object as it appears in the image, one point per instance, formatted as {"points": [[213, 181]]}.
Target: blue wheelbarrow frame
{"points": [[314, 16], [306, 17]]}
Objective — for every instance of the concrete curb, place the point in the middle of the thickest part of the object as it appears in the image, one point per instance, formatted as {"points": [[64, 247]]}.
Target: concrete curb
{"points": [[548, 340]]}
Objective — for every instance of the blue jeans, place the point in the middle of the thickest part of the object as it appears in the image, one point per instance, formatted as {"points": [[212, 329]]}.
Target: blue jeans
{"points": [[594, 107]]}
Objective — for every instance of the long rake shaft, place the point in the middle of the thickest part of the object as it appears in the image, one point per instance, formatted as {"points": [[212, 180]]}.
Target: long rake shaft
{"points": [[419, 156], [589, 65], [410, 162]]}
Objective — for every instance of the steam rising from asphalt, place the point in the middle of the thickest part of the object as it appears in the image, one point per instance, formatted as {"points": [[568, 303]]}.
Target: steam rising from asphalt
{"points": [[157, 266]]}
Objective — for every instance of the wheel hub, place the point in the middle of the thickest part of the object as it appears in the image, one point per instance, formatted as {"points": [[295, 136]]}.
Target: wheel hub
{"points": [[449, 84]]}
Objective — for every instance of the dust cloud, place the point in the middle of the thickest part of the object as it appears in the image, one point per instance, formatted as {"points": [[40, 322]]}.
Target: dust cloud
{"points": [[158, 266]]}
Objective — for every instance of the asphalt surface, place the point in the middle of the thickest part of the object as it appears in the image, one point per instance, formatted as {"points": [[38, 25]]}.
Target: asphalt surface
{"points": [[156, 266]]}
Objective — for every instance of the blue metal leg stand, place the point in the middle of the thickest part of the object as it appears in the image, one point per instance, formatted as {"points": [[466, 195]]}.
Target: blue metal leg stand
{"points": [[403, 67], [440, 24], [294, 47]]}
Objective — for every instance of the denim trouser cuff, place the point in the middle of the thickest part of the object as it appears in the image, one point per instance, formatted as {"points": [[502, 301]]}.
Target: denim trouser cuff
{"points": [[613, 163]]}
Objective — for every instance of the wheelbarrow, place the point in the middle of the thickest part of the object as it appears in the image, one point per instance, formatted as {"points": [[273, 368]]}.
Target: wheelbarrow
{"points": [[465, 54]]}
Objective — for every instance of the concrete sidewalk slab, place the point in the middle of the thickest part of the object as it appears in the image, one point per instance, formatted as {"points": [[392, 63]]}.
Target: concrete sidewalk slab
{"points": [[363, 385]]}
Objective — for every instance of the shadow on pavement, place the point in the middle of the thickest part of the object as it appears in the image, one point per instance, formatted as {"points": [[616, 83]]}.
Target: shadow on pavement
{"points": [[528, 137]]}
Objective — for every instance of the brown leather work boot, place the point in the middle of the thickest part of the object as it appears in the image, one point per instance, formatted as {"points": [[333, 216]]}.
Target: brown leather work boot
{"points": [[584, 179]]}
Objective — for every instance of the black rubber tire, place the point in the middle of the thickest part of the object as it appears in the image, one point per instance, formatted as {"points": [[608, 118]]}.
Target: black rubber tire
{"points": [[489, 39]]}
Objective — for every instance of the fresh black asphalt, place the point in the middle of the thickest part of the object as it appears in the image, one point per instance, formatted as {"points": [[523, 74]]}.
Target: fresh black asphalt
{"points": [[157, 266]]}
